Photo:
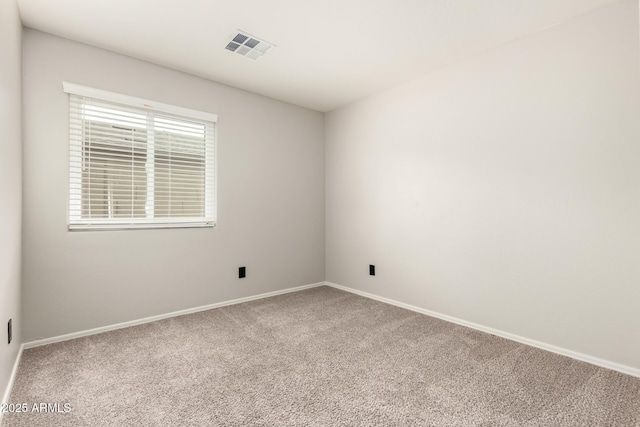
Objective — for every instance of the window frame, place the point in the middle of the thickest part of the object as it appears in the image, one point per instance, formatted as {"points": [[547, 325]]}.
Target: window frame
{"points": [[75, 222]]}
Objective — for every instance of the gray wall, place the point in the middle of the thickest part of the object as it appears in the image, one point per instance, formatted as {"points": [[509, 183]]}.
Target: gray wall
{"points": [[270, 200], [503, 190], [10, 184]]}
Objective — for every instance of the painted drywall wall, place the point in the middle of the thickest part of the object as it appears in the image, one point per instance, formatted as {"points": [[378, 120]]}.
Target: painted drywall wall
{"points": [[503, 190], [10, 185], [270, 200]]}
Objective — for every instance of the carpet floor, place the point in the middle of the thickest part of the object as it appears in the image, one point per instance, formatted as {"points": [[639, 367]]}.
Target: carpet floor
{"points": [[320, 357]]}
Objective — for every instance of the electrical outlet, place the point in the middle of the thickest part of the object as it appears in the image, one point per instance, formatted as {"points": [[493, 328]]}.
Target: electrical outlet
{"points": [[372, 270], [242, 272], [10, 330]]}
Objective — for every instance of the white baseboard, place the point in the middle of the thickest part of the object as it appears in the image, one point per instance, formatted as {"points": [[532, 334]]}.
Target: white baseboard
{"points": [[533, 343], [544, 346], [45, 341], [12, 378]]}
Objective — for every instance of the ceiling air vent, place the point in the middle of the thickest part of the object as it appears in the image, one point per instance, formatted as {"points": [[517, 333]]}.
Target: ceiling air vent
{"points": [[247, 45]]}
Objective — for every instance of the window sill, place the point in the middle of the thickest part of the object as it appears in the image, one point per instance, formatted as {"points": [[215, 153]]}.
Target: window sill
{"points": [[151, 226]]}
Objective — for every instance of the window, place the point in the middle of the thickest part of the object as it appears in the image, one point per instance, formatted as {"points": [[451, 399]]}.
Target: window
{"points": [[138, 164]]}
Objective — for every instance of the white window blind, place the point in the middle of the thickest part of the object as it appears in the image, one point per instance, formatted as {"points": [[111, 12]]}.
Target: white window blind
{"points": [[136, 164]]}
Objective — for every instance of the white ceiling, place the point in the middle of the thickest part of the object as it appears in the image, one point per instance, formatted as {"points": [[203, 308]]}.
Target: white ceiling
{"points": [[329, 52]]}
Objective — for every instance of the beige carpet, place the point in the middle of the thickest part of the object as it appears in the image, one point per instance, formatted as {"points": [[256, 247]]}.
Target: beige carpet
{"points": [[320, 357]]}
